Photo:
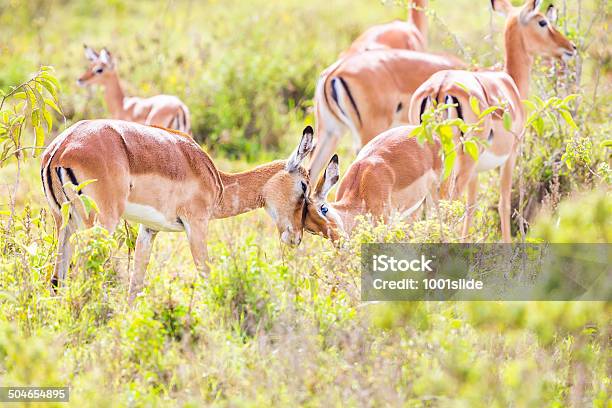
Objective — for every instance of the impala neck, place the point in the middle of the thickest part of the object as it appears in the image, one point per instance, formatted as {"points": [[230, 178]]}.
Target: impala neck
{"points": [[518, 61], [113, 95], [243, 192], [418, 17]]}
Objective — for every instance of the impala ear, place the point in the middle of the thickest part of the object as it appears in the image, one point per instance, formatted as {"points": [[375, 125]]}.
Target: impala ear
{"points": [[551, 14], [303, 149], [329, 179], [502, 7], [90, 53], [530, 9], [106, 57]]}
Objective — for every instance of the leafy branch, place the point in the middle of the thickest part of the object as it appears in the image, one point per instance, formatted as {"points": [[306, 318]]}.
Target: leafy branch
{"points": [[437, 125], [35, 99]]}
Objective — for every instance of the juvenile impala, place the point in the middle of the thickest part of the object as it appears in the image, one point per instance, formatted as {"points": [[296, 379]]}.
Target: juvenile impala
{"points": [[163, 180], [160, 110], [392, 174], [527, 33], [408, 35]]}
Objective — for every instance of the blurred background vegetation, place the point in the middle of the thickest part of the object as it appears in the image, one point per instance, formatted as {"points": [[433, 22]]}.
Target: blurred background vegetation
{"points": [[276, 325]]}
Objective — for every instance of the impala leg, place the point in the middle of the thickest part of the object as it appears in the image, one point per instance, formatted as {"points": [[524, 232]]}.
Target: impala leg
{"points": [[142, 255], [504, 197], [472, 195], [466, 171], [197, 232], [64, 251]]}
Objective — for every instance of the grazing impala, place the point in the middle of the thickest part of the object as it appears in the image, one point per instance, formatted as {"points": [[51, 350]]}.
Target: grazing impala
{"points": [[392, 174], [408, 35], [163, 180], [160, 110], [527, 33], [367, 93]]}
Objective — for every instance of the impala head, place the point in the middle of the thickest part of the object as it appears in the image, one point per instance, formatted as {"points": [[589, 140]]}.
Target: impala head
{"points": [[322, 218], [536, 29], [285, 193], [101, 67]]}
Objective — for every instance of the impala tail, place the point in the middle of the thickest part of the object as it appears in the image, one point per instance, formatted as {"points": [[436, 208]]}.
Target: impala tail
{"points": [[343, 104], [337, 110], [53, 180], [181, 121]]}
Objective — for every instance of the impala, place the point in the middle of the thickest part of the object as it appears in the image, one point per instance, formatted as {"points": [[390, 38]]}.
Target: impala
{"points": [[163, 180], [393, 174], [528, 32], [409, 35], [161, 110], [369, 93]]}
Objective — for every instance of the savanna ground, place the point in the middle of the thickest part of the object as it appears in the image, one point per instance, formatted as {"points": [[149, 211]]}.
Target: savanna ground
{"points": [[283, 326]]}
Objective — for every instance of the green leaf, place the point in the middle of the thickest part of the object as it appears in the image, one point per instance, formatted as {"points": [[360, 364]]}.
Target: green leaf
{"points": [[48, 120], [65, 214], [31, 98], [449, 162], [569, 98], [606, 143], [445, 132], [416, 131], [19, 95], [49, 87], [530, 105], [538, 125], [471, 148], [83, 184], [462, 86], [40, 138], [568, 119], [488, 111], [538, 100], [507, 121], [475, 105], [19, 107], [51, 79], [35, 117], [51, 103], [89, 204]]}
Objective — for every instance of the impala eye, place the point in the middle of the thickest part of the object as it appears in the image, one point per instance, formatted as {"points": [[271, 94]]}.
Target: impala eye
{"points": [[324, 209], [543, 23], [99, 70], [304, 187]]}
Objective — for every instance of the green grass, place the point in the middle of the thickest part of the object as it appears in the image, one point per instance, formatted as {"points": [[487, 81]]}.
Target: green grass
{"points": [[274, 325]]}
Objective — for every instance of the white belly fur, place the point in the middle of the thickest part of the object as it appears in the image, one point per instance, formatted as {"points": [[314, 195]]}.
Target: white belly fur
{"points": [[488, 161], [150, 217]]}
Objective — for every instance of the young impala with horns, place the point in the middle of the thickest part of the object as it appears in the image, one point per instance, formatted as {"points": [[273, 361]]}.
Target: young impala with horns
{"points": [[160, 110], [393, 174], [164, 181], [528, 33]]}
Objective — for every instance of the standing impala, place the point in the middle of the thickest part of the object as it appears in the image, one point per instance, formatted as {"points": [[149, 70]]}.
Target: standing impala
{"points": [[160, 110], [164, 181], [408, 35], [367, 93], [392, 174], [527, 33]]}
